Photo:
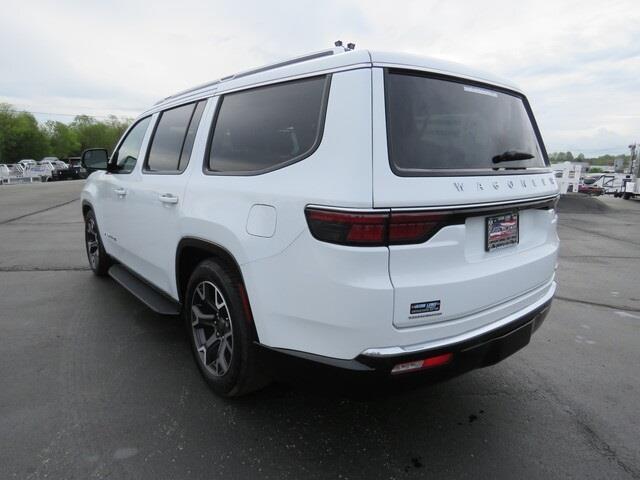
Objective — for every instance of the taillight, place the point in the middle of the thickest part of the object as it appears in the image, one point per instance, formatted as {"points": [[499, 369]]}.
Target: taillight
{"points": [[414, 227], [373, 229], [347, 228]]}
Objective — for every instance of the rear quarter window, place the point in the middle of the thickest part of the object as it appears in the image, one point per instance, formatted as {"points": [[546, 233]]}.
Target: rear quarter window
{"points": [[269, 127]]}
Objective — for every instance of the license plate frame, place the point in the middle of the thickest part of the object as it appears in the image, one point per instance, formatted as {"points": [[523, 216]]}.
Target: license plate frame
{"points": [[505, 230]]}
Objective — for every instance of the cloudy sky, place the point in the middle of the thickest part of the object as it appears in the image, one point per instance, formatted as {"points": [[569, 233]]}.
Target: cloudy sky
{"points": [[578, 61]]}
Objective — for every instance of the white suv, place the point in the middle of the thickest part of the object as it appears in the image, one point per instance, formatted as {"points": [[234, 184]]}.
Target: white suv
{"points": [[378, 213]]}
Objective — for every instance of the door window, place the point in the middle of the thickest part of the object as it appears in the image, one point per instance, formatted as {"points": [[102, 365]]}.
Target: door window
{"points": [[127, 154], [173, 139]]}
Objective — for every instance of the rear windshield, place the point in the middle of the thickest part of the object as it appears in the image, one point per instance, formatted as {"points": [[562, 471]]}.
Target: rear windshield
{"points": [[435, 125]]}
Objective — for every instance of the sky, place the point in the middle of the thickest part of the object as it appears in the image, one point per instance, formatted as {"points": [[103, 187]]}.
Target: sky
{"points": [[577, 61]]}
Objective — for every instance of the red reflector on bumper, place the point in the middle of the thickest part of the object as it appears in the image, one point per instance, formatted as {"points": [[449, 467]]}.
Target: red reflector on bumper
{"points": [[422, 364]]}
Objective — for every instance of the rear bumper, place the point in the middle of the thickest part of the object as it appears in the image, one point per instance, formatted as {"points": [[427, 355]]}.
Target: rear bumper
{"points": [[478, 351], [339, 302]]}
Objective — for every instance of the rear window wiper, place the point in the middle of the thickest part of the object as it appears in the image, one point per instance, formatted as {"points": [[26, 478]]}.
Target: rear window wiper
{"points": [[511, 156]]}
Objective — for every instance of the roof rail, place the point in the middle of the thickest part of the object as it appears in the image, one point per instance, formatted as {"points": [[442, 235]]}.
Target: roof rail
{"points": [[246, 73], [292, 61], [192, 89]]}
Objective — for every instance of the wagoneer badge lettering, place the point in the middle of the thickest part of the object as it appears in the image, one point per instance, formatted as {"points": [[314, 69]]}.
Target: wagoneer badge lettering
{"points": [[511, 184]]}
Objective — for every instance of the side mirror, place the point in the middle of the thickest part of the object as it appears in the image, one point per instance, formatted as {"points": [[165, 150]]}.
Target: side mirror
{"points": [[95, 159]]}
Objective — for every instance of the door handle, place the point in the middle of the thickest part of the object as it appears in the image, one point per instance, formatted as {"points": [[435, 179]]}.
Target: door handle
{"points": [[168, 198], [120, 191]]}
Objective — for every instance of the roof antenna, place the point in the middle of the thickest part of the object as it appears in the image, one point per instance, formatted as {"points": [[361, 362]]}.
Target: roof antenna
{"points": [[349, 47]]}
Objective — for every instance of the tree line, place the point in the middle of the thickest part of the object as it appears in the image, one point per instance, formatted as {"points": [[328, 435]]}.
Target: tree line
{"points": [[603, 160], [22, 136]]}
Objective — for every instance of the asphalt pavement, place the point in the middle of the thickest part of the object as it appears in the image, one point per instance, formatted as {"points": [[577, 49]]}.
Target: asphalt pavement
{"points": [[94, 385]]}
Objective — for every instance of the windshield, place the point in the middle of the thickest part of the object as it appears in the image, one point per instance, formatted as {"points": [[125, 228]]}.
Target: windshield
{"points": [[436, 124]]}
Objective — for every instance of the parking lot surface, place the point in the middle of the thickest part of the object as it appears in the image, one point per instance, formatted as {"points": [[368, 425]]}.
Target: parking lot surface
{"points": [[94, 385]]}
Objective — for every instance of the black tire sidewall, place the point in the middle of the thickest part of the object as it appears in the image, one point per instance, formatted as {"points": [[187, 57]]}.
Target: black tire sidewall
{"points": [[103, 259], [232, 382]]}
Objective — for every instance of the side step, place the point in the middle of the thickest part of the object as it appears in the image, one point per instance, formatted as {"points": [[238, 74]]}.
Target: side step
{"points": [[144, 292]]}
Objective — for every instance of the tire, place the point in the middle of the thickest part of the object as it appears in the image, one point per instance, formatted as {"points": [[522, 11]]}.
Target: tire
{"points": [[626, 196], [99, 260], [214, 316]]}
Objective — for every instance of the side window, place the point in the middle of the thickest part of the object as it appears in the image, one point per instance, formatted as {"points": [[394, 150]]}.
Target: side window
{"points": [[127, 154], [264, 128], [173, 138]]}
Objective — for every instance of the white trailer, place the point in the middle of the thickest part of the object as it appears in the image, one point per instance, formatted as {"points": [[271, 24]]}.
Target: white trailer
{"points": [[13, 173], [610, 183], [631, 185], [36, 172]]}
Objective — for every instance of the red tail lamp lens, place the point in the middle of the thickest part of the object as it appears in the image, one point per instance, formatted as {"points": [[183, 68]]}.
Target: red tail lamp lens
{"points": [[414, 227], [430, 362], [437, 360], [347, 228], [373, 229]]}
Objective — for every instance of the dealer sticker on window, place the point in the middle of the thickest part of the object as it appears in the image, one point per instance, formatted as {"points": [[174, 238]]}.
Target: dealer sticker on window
{"points": [[502, 231]]}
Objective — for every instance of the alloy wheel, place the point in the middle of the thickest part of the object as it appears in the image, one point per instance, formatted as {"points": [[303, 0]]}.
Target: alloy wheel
{"points": [[93, 247], [211, 328]]}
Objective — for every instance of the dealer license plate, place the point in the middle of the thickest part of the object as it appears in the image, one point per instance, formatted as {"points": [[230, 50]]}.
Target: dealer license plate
{"points": [[502, 231]]}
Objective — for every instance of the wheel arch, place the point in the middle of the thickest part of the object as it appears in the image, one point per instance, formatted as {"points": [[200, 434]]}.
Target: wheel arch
{"points": [[191, 251]]}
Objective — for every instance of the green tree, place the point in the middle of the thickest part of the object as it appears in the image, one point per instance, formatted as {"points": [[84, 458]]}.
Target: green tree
{"points": [[21, 136], [92, 133], [63, 139], [559, 157], [602, 160]]}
